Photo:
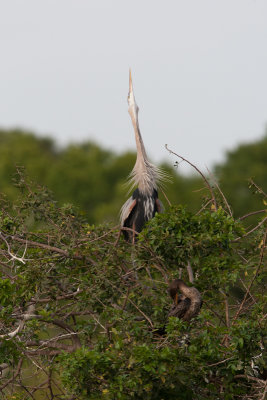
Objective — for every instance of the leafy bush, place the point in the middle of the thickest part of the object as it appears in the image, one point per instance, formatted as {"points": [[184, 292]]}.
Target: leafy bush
{"points": [[84, 314]]}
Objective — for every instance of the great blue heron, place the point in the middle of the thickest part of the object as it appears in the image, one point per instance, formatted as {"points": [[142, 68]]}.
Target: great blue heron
{"points": [[144, 202], [186, 305]]}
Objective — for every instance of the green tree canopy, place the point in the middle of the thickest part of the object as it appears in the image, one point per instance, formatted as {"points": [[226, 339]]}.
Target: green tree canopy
{"points": [[243, 166]]}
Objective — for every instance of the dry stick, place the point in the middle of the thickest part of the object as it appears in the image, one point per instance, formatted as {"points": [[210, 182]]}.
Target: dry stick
{"points": [[51, 343], [253, 279], [251, 378], [203, 177], [252, 230], [44, 371], [141, 312], [190, 272], [25, 317], [63, 297], [220, 362], [13, 377], [251, 213], [74, 335], [64, 253], [166, 198], [13, 257], [99, 237], [203, 207], [214, 312], [163, 273], [5, 265], [241, 280], [265, 391], [265, 316], [221, 193], [227, 320], [258, 188], [41, 245], [123, 228], [26, 389]]}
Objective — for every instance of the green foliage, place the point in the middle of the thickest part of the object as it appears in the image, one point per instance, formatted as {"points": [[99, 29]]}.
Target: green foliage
{"points": [[205, 239], [85, 311], [244, 165]]}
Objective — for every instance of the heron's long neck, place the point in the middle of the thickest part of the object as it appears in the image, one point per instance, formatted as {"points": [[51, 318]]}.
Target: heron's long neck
{"points": [[144, 174], [191, 292]]}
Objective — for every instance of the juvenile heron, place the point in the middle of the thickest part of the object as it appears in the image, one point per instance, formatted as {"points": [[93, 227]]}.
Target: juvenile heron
{"points": [[144, 202], [186, 305]]}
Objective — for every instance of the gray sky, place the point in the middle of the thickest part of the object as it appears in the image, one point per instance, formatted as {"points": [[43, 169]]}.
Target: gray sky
{"points": [[199, 71]]}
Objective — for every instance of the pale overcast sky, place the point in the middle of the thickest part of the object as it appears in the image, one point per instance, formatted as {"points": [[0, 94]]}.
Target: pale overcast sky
{"points": [[199, 71]]}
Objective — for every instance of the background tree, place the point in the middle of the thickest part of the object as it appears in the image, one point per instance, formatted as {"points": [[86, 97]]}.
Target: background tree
{"points": [[244, 165]]}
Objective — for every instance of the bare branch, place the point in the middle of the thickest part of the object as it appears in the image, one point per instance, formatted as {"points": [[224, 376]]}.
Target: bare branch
{"points": [[13, 377], [25, 317], [249, 232], [253, 279], [201, 174], [251, 213], [221, 193], [190, 272]]}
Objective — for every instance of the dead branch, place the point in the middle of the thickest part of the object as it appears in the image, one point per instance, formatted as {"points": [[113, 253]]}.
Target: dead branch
{"points": [[253, 279], [13, 377], [251, 213], [201, 174], [190, 272], [221, 193], [249, 232], [25, 317]]}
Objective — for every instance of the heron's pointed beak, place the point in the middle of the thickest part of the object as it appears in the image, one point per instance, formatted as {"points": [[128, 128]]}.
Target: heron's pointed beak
{"points": [[130, 81], [133, 107]]}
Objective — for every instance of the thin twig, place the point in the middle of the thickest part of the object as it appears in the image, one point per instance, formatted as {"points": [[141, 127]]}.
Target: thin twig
{"points": [[203, 176], [190, 272], [253, 279], [249, 232], [221, 193], [220, 362], [166, 198], [251, 213], [14, 376]]}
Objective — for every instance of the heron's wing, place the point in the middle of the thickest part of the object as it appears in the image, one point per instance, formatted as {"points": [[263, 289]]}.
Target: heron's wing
{"points": [[126, 209], [180, 309], [195, 306]]}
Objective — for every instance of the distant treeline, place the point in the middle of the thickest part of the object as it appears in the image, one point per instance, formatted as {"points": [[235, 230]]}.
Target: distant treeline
{"points": [[93, 178]]}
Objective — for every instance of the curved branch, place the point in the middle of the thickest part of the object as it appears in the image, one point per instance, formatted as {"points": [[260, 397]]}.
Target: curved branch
{"points": [[28, 315], [201, 174], [251, 213], [13, 377], [249, 232]]}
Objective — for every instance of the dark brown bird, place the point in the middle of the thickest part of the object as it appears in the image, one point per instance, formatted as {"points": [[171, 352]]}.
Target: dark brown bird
{"points": [[187, 304]]}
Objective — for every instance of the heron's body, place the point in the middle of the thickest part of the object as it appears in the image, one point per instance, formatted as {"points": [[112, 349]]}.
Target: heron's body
{"points": [[144, 202], [139, 209]]}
